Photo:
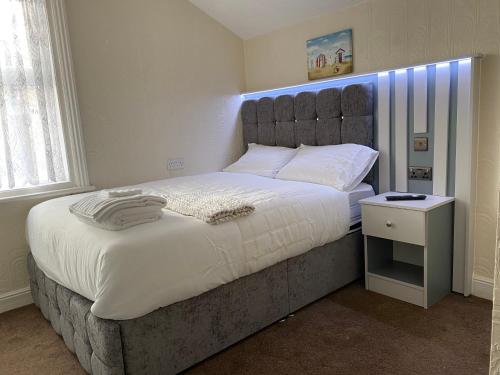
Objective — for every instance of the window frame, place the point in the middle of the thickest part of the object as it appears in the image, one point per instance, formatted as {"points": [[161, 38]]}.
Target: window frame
{"points": [[69, 113]]}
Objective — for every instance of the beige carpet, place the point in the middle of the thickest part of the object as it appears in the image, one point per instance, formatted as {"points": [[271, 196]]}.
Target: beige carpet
{"points": [[350, 332]]}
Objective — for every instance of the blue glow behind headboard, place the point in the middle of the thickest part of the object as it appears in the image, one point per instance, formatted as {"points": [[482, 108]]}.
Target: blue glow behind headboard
{"points": [[409, 102]]}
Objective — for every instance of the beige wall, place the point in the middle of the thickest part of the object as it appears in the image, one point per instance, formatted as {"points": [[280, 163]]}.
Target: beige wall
{"points": [[155, 79], [13, 272], [395, 33]]}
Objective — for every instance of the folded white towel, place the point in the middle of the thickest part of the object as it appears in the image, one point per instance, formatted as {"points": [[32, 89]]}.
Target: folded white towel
{"points": [[123, 193], [125, 218], [116, 213]]}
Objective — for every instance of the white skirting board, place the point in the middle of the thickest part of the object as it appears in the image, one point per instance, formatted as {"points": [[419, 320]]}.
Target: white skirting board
{"points": [[482, 287], [15, 299]]}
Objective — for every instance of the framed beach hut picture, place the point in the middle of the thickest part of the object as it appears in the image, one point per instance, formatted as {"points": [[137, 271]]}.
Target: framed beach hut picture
{"points": [[329, 55]]}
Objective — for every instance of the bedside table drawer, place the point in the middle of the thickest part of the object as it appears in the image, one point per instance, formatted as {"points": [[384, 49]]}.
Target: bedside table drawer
{"points": [[394, 224]]}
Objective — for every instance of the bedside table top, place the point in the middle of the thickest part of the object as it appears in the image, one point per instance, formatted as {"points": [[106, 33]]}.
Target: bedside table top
{"points": [[431, 202]]}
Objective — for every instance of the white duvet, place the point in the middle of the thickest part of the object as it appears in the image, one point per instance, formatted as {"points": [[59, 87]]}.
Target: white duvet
{"points": [[135, 271]]}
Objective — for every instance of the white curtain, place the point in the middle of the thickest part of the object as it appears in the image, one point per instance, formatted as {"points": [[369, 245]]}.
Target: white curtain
{"points": [[32, 149]]}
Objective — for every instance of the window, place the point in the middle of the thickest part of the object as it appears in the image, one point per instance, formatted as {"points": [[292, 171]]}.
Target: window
{"points": [[40, 141]]}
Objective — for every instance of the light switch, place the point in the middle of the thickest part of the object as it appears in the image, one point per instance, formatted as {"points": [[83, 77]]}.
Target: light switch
{"points": [[420, 144]]}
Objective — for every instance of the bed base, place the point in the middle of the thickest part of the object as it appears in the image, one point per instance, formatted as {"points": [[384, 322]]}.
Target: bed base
{"points": [[174, 338]]}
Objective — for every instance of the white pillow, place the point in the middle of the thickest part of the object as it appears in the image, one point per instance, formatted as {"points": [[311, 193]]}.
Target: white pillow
{"points": [[262, 160], [340, 166]]}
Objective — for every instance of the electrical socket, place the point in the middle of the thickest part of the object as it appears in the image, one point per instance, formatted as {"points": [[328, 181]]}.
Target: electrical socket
{"points": [[420, 173], [173, 164]]}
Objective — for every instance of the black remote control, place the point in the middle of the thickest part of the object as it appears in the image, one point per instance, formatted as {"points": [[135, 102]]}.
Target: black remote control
{"points": [[406, 197]]}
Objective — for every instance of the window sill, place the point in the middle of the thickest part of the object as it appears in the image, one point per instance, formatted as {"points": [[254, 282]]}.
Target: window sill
{"points": [[48, 194]]}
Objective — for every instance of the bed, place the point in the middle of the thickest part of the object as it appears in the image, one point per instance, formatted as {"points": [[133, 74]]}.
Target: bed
{"points": [[121, 310]]}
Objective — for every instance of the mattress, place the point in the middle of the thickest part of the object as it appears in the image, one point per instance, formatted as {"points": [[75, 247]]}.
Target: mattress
{"points": [[132, 272], [362, 191]]}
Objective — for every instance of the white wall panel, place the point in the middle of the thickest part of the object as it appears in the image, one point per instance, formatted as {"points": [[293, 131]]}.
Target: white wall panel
{"points": [[463, 161], [401, 129], [384, 131], [420, 99], [441, 124]]}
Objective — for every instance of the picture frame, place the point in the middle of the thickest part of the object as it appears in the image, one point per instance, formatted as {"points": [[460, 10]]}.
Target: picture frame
{"points": [[330, 55]]}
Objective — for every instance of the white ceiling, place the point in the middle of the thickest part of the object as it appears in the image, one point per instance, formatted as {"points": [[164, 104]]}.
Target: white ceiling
{"points": [[250, 18]]}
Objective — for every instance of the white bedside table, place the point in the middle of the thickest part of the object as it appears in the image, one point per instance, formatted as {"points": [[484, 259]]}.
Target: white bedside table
{"points": [[408, 247]]}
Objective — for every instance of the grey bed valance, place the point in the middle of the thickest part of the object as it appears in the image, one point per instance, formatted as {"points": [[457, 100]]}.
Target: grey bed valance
{"points": [[331, 116]]}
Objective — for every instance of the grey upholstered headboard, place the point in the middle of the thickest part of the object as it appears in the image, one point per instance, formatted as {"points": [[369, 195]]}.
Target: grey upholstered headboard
{"points": [[331, 116]]}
